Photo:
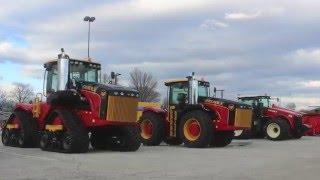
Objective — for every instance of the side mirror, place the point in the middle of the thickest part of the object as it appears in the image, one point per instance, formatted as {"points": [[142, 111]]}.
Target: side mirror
{"points": [[215, 90], [278, 100]]}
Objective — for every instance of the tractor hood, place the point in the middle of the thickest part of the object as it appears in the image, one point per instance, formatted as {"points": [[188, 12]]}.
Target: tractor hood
{"points": [[284, 110], [227, 103], [111, 89]]}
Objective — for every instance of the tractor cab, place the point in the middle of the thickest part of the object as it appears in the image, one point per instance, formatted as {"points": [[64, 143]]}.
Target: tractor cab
{"points": [[65, 74], [187, 91], [256, 101], [65, 77]]}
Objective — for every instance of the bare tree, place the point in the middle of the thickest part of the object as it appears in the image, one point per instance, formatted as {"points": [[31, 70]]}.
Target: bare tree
{"points": [[3, 99], [146, 84], [22, 92], [291, 106], [106, 78], [165, 102]]}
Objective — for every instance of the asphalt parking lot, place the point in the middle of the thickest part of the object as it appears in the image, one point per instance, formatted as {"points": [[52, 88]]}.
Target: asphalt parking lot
{"points": [[243, 159]]}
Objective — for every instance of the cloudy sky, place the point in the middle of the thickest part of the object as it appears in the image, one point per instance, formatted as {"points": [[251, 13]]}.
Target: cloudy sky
{"points": [[245, 47]]}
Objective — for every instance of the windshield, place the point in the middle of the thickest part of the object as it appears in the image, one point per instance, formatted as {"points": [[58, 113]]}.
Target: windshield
{"points": [[250, 102], [203, 91], [254, 102], [264, 102], [80, 71]]}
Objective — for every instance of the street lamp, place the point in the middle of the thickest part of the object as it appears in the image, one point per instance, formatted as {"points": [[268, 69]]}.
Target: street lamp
{"points": [[89, 19]]}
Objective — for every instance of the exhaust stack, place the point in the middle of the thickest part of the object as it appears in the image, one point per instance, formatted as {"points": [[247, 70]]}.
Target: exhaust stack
{"points": [[63, 71], [193, 89]]}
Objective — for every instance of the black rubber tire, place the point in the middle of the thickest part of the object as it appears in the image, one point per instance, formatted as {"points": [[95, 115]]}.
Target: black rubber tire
{"points": [[173, 141], [129, 139], [75, 139], [222, 139], [246, 134], [205, 122], [158, 129], [285, 132], [5, 137]]}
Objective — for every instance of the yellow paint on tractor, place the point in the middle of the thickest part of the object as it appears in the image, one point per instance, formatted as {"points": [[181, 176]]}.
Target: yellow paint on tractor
{"points": [[54, 128], [243, 118], [12, 126], [141, 105], [36, 108]]}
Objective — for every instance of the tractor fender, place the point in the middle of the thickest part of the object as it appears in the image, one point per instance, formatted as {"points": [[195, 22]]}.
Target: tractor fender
{"points": [[212, 112], [289, 121], [23, 107], [156, 110], [19, 107]]}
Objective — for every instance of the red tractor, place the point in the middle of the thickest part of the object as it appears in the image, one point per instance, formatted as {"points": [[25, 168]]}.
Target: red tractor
{"points": [[271, 121], [193, 117], [78, 110]]}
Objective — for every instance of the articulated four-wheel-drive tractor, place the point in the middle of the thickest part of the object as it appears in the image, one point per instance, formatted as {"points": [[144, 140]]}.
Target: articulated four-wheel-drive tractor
{"points": [[271, 121], [193, 117], [78, 111]]}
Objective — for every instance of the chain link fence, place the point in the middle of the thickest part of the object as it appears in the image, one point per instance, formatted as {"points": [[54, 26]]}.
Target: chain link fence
{"points": [[3, 116]]}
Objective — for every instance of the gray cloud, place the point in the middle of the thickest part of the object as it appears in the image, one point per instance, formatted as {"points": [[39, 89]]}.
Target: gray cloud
{"points": [[245, 47]]}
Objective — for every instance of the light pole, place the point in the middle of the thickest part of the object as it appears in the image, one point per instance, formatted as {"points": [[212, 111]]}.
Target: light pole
{"points": [[89, 19]]}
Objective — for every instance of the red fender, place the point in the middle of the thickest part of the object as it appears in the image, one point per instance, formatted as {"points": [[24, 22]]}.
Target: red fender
{"points": [[156, 110], [24, 107]]}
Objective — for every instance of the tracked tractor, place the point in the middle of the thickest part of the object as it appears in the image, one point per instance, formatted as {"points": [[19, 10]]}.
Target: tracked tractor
{"points": [[193, 117], [271, 121], [78, 111]]}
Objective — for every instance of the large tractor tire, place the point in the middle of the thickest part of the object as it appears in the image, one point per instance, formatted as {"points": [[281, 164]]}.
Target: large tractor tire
{"points": [[277, 129], [26, 135], [222, 139], [196, 129], [242, 134], [129, 139], [152, 129], [173, 141], [73, 138]]}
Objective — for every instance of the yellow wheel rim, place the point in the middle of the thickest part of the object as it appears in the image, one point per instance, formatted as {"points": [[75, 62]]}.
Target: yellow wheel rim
{"points": [[192, 129], [146, 129]]}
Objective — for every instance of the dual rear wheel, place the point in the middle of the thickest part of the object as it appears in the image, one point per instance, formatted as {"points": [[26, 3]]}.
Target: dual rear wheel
{"points": [[195, 130]]}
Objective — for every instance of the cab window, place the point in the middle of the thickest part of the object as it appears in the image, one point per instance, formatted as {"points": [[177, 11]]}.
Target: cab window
{"points": [[265, 102], [250, 102], [80, 71], [177, 91], [52, 78]]}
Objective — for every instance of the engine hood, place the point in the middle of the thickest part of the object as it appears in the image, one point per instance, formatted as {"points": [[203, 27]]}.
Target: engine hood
{"points": [[110, 89], [226, 102], [284, 110]]}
